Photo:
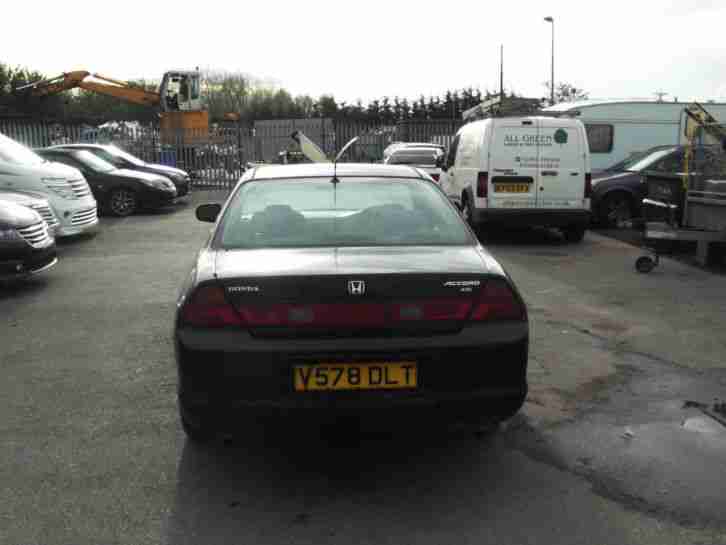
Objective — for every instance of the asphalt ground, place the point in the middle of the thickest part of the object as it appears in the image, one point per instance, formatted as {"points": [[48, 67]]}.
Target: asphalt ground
{"points": [[603, 452]]}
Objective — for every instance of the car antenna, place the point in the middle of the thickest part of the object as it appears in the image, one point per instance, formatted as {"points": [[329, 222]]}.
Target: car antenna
{"points": [[352, 141]]}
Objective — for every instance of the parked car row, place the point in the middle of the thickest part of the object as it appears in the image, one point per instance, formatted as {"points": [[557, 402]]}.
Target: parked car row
{"points": [[58, 191]]}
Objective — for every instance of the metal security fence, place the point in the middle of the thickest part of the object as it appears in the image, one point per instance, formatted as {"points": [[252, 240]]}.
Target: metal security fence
{"points": [[217, 157]]}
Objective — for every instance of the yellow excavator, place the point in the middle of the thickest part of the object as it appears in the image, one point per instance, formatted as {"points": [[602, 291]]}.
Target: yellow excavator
{"points": [[183, 120]]}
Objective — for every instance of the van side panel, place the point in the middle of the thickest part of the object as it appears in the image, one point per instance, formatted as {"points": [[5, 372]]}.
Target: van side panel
{"points": [[466, 164], [513, 160], [562, 164]]}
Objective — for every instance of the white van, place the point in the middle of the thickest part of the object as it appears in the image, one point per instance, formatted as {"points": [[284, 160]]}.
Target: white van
{"points": [[521, 171], [65, 187]]}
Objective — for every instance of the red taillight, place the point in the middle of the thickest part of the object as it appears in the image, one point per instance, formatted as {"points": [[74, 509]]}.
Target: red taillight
{"points": [[482, 185], [320, 315], [354, 315], [431, 310], [497, 301], [207, 307], [588, 185], [435, 177]]}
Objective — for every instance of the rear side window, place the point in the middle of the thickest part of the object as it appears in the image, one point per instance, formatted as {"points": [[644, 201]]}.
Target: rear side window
{"points": [[600, 137], [420, 156], [363, 212]]}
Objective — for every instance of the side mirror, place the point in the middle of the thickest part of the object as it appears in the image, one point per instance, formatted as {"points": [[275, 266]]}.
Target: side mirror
{"points": [[440, 161], [208, 212]]}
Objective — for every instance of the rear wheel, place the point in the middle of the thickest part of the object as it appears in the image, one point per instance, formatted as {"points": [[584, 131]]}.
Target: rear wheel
{"points": [[122, 202], [574, 233], [616, 209]]}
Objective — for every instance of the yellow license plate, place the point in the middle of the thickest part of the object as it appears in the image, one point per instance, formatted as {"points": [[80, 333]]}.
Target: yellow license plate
{"points": [[511, 188], [356, 376]]}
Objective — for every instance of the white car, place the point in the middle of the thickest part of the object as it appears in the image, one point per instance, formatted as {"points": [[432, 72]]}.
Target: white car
{"points": [[34, 201], [399, 145], [66, 189], [522, 171], [428, 160]]}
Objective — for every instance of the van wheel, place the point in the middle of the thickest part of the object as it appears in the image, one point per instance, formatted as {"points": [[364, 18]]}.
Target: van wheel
{"points": [[467, 212], [574, 233], [122, 202]]}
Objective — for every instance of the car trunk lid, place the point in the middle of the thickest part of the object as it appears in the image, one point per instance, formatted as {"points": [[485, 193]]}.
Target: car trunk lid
{"points": [[352, 292]]}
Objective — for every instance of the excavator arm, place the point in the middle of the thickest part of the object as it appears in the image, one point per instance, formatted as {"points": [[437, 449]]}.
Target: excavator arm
{"points": [[104, 86]]}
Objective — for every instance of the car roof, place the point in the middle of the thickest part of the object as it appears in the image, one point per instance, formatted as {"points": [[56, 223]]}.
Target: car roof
{"points": [[417, 150], [320, 170], [81, 145], [55, 149]]}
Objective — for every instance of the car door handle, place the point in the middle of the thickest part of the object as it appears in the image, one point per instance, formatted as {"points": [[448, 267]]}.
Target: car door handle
{"points": [[549, 173], [574, 173]]}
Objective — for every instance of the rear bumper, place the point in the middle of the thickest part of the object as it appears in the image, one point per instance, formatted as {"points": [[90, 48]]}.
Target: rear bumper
{"points": [[484, 380], [532, 217]]}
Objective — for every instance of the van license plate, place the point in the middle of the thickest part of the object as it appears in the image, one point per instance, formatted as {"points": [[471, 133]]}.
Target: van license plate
{"points": [[511, 188], [355, 376]]}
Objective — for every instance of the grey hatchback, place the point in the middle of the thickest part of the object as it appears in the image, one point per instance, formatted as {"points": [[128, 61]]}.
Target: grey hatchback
{"points": [[357, 291]]}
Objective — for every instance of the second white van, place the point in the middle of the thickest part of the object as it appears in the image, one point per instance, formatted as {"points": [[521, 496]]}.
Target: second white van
{"points": [[66, 189], [521, 171]]}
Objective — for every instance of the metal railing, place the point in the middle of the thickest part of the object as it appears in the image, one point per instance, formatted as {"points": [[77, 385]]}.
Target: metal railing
{"points": [[217, 157]]}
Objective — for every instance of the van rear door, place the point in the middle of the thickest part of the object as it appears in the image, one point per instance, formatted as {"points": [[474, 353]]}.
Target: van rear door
{"points": [[513, 160], [562, 165]]}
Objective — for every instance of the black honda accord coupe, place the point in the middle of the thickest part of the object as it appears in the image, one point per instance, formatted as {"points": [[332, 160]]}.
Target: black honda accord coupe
{"points": [[327, 291]]}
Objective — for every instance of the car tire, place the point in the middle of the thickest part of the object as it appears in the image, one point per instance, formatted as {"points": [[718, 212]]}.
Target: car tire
{"points": [[615, 209], [122, 202], [199, 432], [574, 233]]}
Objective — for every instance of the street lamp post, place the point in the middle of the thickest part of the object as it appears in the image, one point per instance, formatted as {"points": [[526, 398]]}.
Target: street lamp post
{"points": [[551, 20]]}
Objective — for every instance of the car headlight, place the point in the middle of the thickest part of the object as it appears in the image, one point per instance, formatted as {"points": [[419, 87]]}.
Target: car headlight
{"points": [[59, 186], [9, 235]]}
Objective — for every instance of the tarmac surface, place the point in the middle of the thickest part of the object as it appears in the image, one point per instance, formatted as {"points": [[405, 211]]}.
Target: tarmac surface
{"points": [[618, 442]]}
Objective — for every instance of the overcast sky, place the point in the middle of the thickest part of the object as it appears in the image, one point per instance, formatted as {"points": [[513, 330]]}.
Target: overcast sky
{"points": [[615, 49]]}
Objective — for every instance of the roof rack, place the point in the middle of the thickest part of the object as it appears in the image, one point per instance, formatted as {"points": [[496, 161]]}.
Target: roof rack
{"points": [[503, 107]]}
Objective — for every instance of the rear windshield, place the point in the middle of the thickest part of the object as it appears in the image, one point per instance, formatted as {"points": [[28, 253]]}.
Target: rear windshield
{"points": [[362, 212], [112, 154], [422, 157], [89, 160], [645, 162]]}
